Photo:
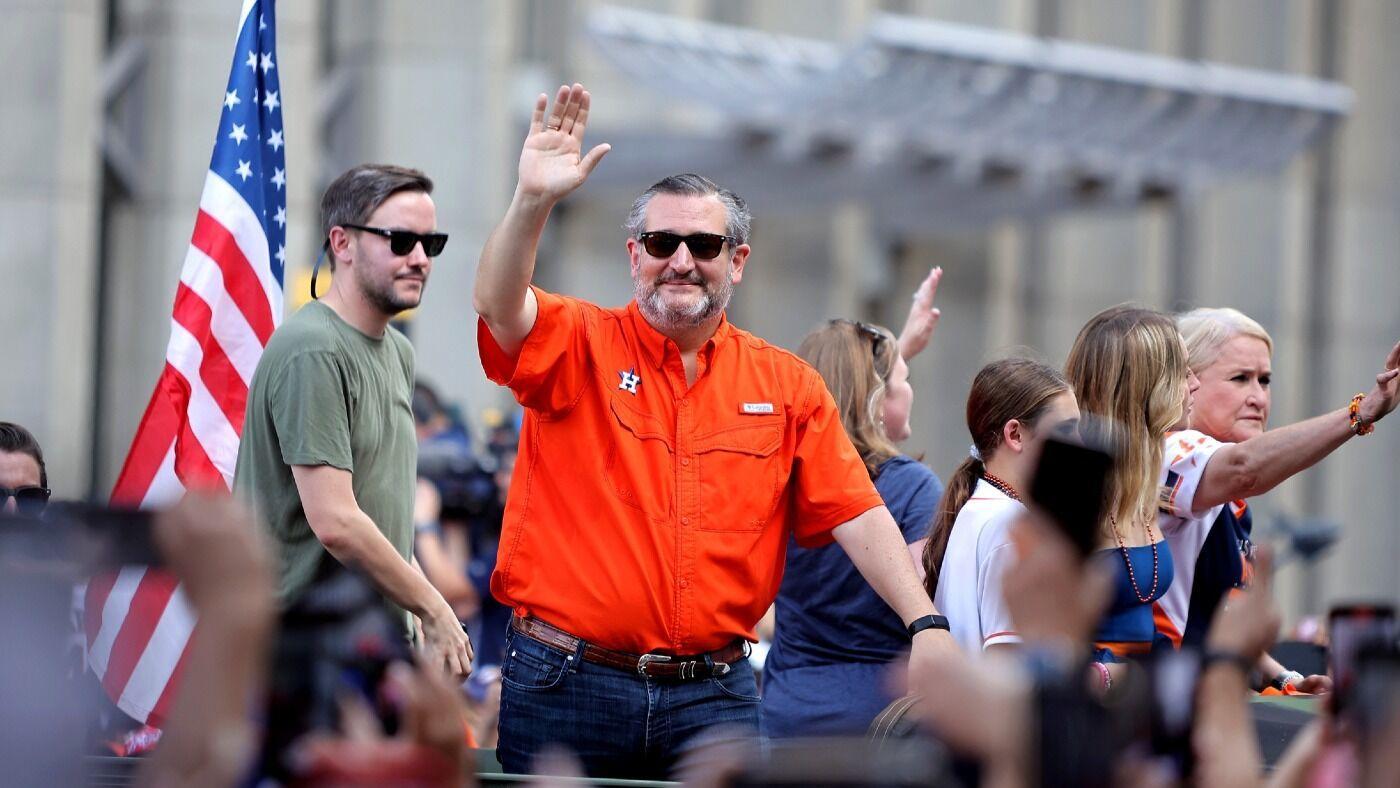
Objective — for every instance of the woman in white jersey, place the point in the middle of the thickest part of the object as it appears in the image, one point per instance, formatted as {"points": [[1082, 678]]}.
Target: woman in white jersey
{"points": [[1229, 353], [1014, 404]]}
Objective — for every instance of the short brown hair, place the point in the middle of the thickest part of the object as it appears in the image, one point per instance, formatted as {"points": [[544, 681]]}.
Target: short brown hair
{"points": [[359, 191], [18, 440]]}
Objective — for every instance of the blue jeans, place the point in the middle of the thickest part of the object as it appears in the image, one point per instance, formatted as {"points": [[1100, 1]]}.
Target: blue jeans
{"points": [[619, 724]]}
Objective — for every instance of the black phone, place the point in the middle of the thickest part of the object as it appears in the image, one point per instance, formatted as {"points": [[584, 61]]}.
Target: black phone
{"points": [[107, 537], [1069, 488], [80, 539], [1352, 629]]}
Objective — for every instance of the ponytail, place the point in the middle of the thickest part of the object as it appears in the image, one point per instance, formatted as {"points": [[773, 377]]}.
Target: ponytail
{"points": [[959, 489]]}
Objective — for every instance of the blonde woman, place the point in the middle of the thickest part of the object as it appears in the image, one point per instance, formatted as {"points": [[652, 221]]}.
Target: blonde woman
{"points": [[1129, 367], [825, 674], [1230, 354]]}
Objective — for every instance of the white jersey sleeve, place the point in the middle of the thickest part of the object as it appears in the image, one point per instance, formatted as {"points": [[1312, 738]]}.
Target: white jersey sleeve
{"points": [[997, 626], [1183, 467]]}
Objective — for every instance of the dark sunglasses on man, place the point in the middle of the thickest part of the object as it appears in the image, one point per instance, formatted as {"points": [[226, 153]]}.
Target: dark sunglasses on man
{"points": [[29, 499], [401, 243], [702, 246]]}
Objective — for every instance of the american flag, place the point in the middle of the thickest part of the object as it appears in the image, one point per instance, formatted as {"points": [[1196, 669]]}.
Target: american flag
{"points": [[227, 304]]}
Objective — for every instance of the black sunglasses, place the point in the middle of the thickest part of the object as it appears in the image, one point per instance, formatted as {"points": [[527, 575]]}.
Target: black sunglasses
{"points": [[401, 242], [702, 246], [29, 499]]}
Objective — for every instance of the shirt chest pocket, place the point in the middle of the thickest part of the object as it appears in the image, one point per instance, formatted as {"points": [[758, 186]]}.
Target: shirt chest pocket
{"points": [[640, 467], [742, 473]]}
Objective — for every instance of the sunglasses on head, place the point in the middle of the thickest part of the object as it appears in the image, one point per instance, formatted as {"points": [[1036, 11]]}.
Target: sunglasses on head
{"points": [[702, 246], [878, 339], [29, 499], [401, 242]]}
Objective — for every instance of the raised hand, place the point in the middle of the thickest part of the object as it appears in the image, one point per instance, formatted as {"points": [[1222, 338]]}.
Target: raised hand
{"points": [[552, 162], [923, 317], [1386, 395]]}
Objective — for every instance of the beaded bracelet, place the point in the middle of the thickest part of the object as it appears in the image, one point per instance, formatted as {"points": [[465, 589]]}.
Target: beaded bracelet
{"points": [[1354, 410]]}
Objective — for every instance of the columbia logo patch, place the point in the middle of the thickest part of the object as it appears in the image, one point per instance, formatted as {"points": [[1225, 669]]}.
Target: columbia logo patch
{"points": [[754, 408]]}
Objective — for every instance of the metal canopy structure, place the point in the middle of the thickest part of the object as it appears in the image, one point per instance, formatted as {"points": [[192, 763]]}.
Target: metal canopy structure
{"points": [[937, 126]]}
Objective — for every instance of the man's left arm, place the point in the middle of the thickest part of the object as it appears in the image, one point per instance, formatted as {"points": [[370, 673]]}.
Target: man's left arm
{"points": [[876, 546]]}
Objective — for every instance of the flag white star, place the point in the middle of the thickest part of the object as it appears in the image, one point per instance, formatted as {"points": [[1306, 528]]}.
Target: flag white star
{"points": [[267, 63], [231, 99], [244, 169], [281, 216], [270, 101], [238, 134], [281, 254], [262, 24], [276, 142], [252, 61], [279, 177]]}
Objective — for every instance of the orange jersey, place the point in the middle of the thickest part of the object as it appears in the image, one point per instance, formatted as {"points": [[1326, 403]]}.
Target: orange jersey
{"points": [[647, 516]]}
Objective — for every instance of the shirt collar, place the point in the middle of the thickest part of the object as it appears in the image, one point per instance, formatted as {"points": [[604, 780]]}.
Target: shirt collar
{"points": [[654, 343]]}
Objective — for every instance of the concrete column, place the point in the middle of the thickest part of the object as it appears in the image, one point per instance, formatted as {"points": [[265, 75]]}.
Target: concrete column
{"points": [[49, 171], [1360, 483]]}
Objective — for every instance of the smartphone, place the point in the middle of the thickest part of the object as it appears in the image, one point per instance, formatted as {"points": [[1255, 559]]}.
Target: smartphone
{"points": [[1352, 629], [106, 537], [1069, 488], [1376, 707], [79, 539]]}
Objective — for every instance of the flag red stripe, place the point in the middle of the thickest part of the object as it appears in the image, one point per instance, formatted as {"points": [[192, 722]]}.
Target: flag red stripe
{"points": [[192, 464], [240, 281], [98, 589], [172, 684], [157, 430], [147, 605], [215, 369]]}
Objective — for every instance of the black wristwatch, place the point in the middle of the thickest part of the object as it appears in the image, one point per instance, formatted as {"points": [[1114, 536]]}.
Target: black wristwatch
{"points": [[927, 622]]}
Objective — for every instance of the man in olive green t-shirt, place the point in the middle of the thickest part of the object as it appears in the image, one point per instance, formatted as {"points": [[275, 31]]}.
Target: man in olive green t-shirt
{"points": [[328, 453]]}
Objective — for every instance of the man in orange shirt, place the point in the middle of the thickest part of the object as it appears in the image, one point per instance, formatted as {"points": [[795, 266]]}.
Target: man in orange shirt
{"points": [[666, 456]]}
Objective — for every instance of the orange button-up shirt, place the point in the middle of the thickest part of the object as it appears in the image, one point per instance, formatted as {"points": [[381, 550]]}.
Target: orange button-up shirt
{"points": [[645, 515]]}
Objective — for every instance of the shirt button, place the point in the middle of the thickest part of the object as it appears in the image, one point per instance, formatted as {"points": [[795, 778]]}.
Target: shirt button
{"points": [[685, 521], [685, 583], [685, 461]]}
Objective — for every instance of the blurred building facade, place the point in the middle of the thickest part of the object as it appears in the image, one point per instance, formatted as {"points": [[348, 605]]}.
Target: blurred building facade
{"points": [[112, 105]]}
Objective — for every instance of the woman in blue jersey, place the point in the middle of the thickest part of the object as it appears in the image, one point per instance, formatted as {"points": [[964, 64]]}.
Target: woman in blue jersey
{"points": [[835, 638], [1128, 369]]}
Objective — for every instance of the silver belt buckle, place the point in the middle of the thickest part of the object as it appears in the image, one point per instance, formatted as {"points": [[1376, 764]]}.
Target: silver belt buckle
{"points": [[647, 659]]}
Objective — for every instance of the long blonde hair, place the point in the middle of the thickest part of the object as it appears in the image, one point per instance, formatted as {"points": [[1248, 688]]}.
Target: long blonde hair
{"points": [[1128, 368], [855, 360]]}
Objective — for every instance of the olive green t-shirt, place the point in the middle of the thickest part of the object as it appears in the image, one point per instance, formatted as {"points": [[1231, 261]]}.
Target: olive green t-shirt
{"points": [[326, 394]]}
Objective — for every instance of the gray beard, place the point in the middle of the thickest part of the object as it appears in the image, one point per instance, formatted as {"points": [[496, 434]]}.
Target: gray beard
{"points": [[653, 307]]}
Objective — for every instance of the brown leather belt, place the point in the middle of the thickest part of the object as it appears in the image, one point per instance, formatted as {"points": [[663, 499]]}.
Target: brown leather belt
{"points": [[654, 666]]}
